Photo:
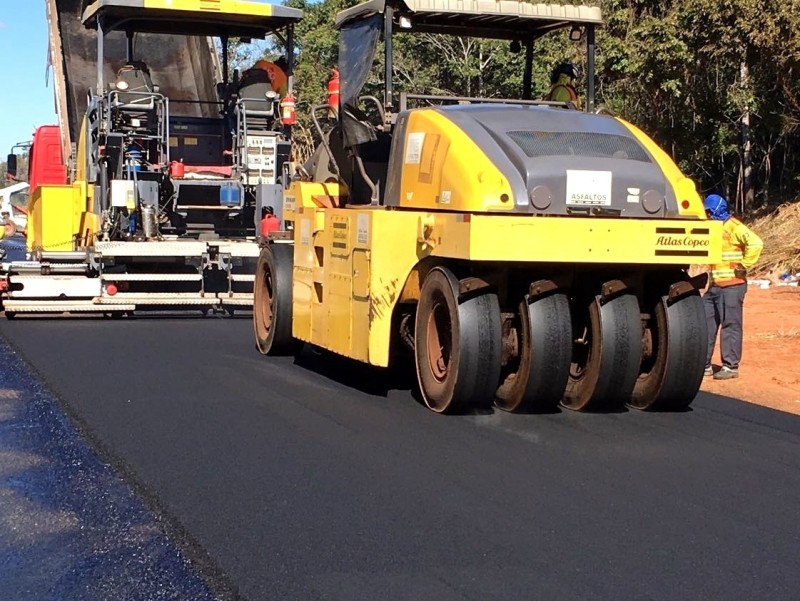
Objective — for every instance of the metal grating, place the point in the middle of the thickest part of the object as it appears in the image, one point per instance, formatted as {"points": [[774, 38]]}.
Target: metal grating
{"points": [[579, 144]]}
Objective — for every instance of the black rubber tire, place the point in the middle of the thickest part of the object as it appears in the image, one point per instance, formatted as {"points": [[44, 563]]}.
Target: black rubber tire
{"points": [[272, 301], [472, 330], [614, 355], [545, 353], [670, 381]]}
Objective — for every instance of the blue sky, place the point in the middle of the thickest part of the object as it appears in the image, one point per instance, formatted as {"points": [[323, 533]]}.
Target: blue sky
{"points": [[25, 100]]}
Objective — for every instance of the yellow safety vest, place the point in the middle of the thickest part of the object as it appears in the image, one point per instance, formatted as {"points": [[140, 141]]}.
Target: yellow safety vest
{"points": [[556, 93], [740, 246]]}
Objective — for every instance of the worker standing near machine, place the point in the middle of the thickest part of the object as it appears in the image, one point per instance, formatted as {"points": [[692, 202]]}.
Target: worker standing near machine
{"points": [[724, 300]]}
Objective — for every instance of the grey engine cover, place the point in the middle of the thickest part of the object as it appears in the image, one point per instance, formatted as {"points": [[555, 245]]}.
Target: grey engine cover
{"points": [[543, 151]]}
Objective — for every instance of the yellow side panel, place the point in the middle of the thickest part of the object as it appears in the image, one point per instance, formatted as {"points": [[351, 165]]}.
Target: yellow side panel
{"points": [[362, 272], [443, 168], [338, 281], [303, 293], [89, 226], [310, 194], [394, 252], [344, 289], [528, 238], [56, 215]]}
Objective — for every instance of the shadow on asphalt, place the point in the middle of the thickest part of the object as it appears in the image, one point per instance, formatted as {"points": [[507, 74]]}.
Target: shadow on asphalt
{"points": [[375, 381], [381, 382]]}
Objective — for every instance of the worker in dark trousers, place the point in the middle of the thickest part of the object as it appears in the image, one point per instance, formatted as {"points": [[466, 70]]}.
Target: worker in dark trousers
{"points": [[724, 299]]}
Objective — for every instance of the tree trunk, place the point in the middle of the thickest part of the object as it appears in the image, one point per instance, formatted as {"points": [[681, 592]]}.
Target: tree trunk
{"points": [[748, 193]]}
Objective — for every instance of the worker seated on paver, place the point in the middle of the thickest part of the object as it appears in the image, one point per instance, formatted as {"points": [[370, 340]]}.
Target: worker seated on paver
{"points": [[263, 77], [276, 72], [260, 87]]}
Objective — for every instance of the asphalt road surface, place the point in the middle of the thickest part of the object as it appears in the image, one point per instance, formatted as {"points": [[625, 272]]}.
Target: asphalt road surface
{"points": [[321, 479], [70, 527]]}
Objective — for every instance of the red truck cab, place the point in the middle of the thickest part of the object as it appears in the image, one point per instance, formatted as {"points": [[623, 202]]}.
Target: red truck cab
{"points": [[45, 159], [46, 164]]}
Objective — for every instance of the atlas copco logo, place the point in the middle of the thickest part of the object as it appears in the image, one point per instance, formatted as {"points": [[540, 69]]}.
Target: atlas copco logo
{"points": [[681, 241]]}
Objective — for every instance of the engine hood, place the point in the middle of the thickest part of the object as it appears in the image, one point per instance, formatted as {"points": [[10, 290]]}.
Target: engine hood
{"points": [[564, 162]]}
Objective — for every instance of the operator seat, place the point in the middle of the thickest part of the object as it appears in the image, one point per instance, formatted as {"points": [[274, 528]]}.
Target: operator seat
{"points": [[372, 148], [135, 87], [135, 99], [259, 110]]}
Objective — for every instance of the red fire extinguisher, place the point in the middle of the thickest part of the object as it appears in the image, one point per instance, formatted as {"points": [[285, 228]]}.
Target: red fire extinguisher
{"points": [[333, 94], [288, 113]]}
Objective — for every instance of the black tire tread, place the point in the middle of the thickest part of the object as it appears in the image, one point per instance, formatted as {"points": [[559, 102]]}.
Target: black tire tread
{"points": [[539, 386], [279, 259], [475, 365], [609, 382], [675, 380]]}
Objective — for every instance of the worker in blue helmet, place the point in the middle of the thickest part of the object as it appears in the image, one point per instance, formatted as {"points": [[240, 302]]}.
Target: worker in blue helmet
{"points": [[724, 299]]}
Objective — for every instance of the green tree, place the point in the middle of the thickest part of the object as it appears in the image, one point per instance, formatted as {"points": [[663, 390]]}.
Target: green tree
{"points": [[715, 82]]}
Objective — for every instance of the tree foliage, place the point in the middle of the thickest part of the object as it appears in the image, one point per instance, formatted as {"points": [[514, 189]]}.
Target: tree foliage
{"points": [[691, 73]]}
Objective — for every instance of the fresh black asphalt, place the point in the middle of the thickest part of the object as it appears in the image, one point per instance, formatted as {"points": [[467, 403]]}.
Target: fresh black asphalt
{"points": [[70, 528], [318, 478]]}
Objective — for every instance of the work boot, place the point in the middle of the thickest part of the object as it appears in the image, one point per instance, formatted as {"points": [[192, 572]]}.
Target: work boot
{"points": [[709, 371], [726, 373]]}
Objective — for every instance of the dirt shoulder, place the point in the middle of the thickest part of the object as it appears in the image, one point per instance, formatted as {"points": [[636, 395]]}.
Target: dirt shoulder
{"points": [[770, 371]]}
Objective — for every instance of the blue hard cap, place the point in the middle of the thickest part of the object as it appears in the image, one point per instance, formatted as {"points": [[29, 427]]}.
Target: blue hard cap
{"points": [[717, 207]]}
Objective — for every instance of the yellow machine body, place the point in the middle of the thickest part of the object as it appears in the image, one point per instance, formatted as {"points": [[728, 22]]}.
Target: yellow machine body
{"points": [[353, 264], [525, 254]]}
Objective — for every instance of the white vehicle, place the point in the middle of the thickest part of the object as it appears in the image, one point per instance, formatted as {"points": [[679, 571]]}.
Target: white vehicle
{"points": [[12, 218]]}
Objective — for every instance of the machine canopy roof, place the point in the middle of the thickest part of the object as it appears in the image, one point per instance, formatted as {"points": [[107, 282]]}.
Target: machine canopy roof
{"points": [[224, 18], [497, 19]]}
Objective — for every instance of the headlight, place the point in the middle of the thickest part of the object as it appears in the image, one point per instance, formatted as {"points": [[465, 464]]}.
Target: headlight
{"points": [[122, 85]]}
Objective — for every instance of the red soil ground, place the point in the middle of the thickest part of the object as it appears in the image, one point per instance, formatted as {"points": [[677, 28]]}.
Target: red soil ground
{"points": [[769, 374]]}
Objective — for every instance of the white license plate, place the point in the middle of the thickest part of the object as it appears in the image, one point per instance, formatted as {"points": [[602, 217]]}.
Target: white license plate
{"points": [[588, 187]]}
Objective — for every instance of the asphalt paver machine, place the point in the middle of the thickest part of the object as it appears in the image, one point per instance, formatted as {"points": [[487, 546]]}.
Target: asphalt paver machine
{"points": [[172, 160]]}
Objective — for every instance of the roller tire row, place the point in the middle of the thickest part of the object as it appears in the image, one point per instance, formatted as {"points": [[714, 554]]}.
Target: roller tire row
{"points": [[458, 347]]}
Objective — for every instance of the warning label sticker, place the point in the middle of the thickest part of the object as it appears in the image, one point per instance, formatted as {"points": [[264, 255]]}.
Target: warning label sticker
{"points": [[362, 229], [414, 147]]}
